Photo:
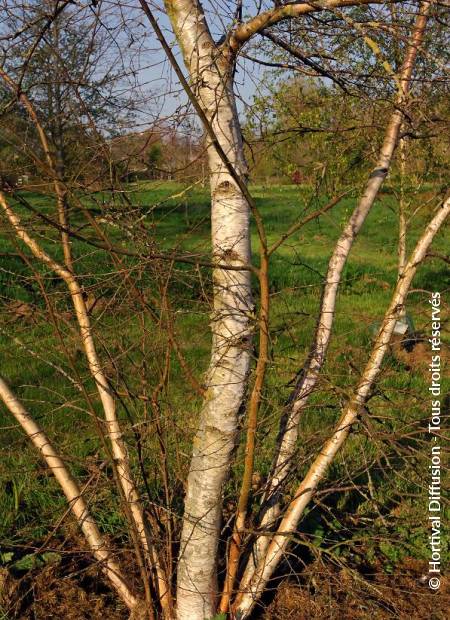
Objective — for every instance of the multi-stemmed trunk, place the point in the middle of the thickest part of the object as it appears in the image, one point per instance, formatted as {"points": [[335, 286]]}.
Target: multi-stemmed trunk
{"points": [[308, 377], [305, 491], [210, 74]]}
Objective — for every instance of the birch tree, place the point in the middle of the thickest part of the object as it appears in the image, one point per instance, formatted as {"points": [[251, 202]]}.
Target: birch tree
{"points": [[210, 70], [309, 374], [195, 586]]}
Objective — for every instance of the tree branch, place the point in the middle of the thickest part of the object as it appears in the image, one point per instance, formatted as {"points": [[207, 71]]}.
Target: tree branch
{"points": [[72, 491], [244, 32], [294, 51], [269, 561]]}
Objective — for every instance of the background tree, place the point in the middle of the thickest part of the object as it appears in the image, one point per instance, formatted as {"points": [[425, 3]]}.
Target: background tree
{"points": [[69, 74]]}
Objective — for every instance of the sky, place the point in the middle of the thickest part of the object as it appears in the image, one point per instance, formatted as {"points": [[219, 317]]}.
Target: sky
{"points": [[158, 77]]}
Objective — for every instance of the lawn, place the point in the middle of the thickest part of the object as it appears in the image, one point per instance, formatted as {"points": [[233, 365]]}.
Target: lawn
{"points": [[132, 345]]}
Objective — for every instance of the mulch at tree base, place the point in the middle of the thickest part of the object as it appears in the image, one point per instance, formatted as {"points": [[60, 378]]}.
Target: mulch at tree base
{"points": [[320, 592], [50, 593], [329, 593]]}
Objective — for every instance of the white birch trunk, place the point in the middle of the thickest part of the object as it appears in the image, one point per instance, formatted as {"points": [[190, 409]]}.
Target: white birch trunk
{"points": [[316, 473], [308, 377], [112, 426], [72, 492], [231, 332]]}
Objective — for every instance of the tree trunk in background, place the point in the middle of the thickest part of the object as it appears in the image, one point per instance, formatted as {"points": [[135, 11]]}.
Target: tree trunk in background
{"points": [[227, 375], [402, 224]]}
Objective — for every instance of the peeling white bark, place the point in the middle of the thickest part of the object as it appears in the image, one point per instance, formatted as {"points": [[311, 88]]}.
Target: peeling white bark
{"points": [[308, 378], [111, 423], [225, 387], [230, 322]]}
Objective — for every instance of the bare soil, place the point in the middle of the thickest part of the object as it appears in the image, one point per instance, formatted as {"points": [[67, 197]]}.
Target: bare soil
{"points": [[322, 592], [329, 593]]}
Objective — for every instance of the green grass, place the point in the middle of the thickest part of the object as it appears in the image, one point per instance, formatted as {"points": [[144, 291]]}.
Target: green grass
{"points": [[133, 346]]}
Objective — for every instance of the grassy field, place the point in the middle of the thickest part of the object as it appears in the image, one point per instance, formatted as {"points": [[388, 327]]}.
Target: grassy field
{"points": [[132, 346]]}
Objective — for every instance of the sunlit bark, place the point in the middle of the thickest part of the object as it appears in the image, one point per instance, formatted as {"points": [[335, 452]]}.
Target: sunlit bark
{"points": [[112, 428], [288, 437], [72, 492], [269, 562], [226, 379]]}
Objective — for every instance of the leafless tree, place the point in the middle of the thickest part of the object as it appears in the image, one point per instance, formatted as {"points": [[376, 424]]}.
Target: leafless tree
{"points": [[190, 587]]}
